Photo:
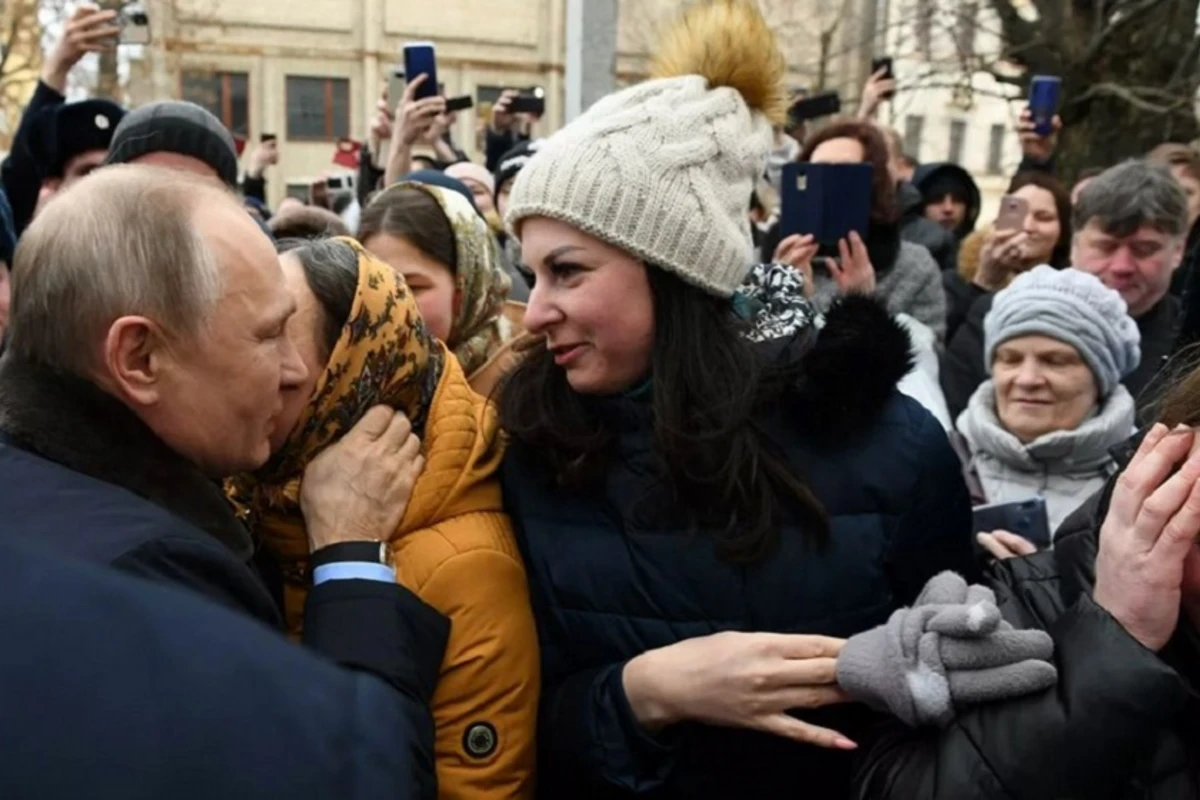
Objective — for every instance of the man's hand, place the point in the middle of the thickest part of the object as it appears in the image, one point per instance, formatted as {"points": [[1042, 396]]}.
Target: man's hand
{"points": [[877, 89], [1034, 146], [1148, 540], [502, 121], [358, 489], [265, 154], [89, 30]]}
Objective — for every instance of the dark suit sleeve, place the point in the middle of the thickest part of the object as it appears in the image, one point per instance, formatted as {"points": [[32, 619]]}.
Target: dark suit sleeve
{"points": [[207, 569], [497, 144], [368, 175], [962, 365], [255, 187], [1081, 739], [380, 628], [21, 173], [960, 297]]}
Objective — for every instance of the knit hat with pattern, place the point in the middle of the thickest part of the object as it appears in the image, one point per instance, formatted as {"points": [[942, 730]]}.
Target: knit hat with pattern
{"points": [[1072, 307], [664, 169]]}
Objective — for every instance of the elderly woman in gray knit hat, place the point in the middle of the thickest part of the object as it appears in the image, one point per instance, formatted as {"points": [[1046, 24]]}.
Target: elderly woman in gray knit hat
{"points": [[1058, 343], [695, 508]]}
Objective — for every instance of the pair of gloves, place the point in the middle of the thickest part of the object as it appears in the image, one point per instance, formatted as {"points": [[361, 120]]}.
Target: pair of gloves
{"points": [[950, 650]]}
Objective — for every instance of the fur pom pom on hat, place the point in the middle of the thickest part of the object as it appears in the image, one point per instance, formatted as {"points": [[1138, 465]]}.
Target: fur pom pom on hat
{"points": [[664, 169]]}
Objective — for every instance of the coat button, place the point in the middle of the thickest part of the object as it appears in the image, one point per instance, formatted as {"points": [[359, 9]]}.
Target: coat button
{"points": [[480, 740]]}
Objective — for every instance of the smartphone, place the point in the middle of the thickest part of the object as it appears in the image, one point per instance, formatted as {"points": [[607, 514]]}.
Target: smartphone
{"points": [[531, 102], [420, 59], [1044, 94], [815, 107], [1013, 211], [134, 24], [459, 103], [340, 183], [827, 201], [396, 87], [885, 63], [1025, 518]]}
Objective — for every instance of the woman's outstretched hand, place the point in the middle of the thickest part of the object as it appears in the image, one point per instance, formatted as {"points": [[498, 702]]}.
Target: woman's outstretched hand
{"points": [[739, 680]]}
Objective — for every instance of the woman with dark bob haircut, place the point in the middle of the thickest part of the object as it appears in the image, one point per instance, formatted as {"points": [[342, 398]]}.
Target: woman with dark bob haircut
{"points": [[697, 511]]}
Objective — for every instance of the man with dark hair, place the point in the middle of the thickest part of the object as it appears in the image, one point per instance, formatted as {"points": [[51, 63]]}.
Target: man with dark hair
{"points": [[1130, 225]]}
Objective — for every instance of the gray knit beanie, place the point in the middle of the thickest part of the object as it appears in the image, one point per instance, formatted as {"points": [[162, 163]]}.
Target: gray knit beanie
{"points": [[1072, 307], [664, 170]]}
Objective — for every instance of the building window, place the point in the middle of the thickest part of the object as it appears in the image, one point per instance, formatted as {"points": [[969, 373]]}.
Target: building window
{"points": [[996, 149], [965, 28], [318, 108], [914, 126], [958, 138], [225, 94], [300, 191]]}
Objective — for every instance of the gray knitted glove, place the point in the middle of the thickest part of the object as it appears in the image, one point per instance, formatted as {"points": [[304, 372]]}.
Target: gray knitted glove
{"points": [[949, 651]]}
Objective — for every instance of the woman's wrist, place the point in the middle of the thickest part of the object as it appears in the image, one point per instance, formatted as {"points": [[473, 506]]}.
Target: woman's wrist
{"points": [[639, 679]]}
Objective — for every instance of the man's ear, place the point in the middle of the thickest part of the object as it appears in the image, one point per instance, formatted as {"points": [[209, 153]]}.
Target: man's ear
{"points": [[135, 355]]}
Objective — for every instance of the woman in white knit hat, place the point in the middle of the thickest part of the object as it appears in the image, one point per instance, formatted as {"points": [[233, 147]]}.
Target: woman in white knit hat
{"points": [[1057, 344], [703, 518]]}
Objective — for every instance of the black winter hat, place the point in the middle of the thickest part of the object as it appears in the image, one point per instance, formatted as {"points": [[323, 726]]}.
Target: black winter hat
{"points": [[72, 129], [514, 161], [173, 126]]}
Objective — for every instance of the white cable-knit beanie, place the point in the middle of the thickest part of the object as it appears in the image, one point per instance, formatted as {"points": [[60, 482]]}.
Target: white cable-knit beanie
{"points": [[664, 170], [1072, 307]]}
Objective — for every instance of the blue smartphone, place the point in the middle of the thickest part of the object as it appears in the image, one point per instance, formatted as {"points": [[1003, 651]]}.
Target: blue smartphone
{"points": [[1044, 94], [1025, 518], [825, 200], [421, 59]]}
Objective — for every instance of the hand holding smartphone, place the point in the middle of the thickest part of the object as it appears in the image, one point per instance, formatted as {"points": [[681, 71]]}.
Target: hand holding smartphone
{"points": [[1044, 94], [420, 59], [1013, 211], [1026, 518]]}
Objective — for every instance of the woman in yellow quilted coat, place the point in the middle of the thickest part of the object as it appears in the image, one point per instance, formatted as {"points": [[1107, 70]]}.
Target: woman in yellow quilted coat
{"points": [[360, 333]]}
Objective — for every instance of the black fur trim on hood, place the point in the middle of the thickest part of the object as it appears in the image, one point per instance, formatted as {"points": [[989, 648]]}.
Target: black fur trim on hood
{"points": [[851, 368], [72, 422]]}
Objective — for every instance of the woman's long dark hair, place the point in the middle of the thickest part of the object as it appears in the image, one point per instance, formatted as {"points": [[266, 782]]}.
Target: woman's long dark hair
{"points": [[1060, 256], [708, 388]]}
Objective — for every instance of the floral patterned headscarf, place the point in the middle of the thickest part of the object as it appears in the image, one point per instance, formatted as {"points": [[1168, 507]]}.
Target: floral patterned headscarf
{"points": [[480, 327], [385, 356]]}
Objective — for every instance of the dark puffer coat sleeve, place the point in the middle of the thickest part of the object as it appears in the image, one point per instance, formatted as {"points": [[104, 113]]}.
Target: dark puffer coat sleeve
{"points": [[1083, 738], [935, 533], [963, 369], [588, 723]]}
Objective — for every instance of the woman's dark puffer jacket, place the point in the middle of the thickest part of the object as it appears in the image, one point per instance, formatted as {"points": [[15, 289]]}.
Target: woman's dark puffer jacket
{"points": [[616, 572], [1122, 724]]}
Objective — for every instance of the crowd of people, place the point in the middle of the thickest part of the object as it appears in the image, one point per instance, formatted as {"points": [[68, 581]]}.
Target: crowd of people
{"points": [[566, 475]]}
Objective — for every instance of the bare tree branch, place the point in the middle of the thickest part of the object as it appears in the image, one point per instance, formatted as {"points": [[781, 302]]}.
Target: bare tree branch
{"points": [[1115, 24], [1137, 97]]}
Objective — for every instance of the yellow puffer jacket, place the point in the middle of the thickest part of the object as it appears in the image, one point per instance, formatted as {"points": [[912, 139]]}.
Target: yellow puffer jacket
{"points": [[454, 548]]}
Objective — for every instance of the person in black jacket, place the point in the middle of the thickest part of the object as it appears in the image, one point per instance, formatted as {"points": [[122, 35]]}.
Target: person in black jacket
{"points": [[950, 195], [704, 518], [1129, 228], [146, 358], [113, 688], [1120, 595], [57, 142]]}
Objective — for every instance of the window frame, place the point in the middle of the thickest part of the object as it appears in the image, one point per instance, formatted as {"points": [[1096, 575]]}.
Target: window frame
{"points": [[222, 109], [330, 133], [957, 126]]}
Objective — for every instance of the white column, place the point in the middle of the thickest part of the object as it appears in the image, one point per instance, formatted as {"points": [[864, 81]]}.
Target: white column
{"points": [[591, 53]]}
